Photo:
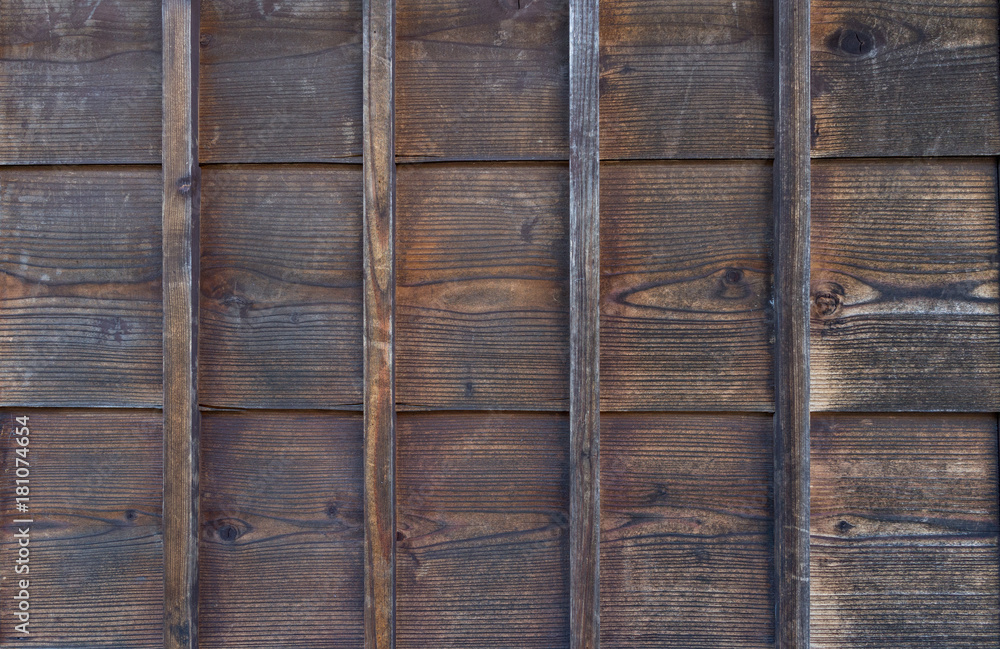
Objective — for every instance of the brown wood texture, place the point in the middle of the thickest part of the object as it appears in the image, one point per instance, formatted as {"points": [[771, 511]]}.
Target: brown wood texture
{"points": [[482, 541], [904, 531], [81, 81], [904, 291], [686, 318], [686, 541], [584, 324], [181, 191], [482, 290], [80, 269], [791, 323], [281, 286], [896, 78], [687, 79], [281, 81], [282, 530], [95, 547], [483, 80], [379, 312]]}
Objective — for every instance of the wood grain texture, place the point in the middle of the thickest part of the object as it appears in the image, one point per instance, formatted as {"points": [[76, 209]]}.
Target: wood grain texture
{"points": [[95, 549], [904, 531], [686, 318], [80, 80], [686, 541], [687, 79], [483, 80], [482, 541], [483, 297], [584, 324], [281, 286], [379, 295], [791, 323], [181, 193], [80, 268], [281, 81], [905, 286], [917, 77], [282, 530]]}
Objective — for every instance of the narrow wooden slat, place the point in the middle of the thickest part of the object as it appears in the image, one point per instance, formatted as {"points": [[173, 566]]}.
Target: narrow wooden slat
{"points": [[791, 294], [379, 280], [584, 337], [180, 312]]}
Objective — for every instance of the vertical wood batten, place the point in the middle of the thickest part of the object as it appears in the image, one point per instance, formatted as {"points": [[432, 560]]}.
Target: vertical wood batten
{"points": [[181, 185], [584, 403], [379, 323], [791, 277]]}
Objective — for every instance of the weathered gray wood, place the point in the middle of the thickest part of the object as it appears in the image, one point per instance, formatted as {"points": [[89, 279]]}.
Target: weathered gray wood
{"points": [[181, 186], [791, 353], [379, 290], [584, 324]]}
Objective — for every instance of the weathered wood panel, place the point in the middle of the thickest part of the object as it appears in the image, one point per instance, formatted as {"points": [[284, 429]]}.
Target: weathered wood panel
{"points": [[281, 539], [80, 268], [281, 286], [280, 81], [687, 79], [904, 286], [95, 548], [686, 321], [482, 80], [904, 531], [917, 77], [482, 547], [686, 542], [80, 80], [482, 297]]}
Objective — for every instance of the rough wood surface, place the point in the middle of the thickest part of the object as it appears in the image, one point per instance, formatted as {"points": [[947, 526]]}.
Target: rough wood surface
{"points": [[482, 541], [181, 190], [483, 80], [904, 531], [687, 79], [905, 286], [686, 541], [686, 318], [282, 530], [281, 286], [80, 268], [96, 544], [897, 78], [791, 323], [80, 80], [281, 81], [585, 325], [379, 295], [483, 297]]}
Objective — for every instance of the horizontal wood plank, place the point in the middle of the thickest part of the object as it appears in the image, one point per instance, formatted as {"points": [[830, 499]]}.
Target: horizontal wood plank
{"points": [[280, 81], [80, 81], [281, 286], [686, 541], [95, 548], [482, 296], [913, 78], [482, 80], [281, 540], [80, 286], [904, 531], [686, 286], [482, 551], [687, 79], [904, 286]]}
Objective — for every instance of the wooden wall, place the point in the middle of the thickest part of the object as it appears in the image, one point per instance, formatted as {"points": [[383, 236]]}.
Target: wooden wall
{"points": [[301, 299]]}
